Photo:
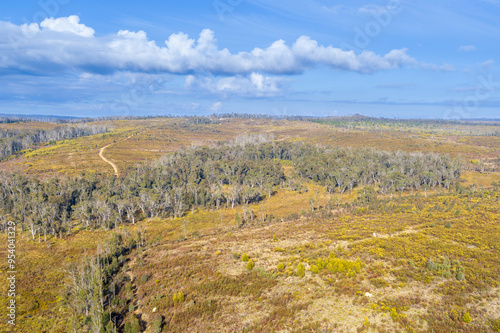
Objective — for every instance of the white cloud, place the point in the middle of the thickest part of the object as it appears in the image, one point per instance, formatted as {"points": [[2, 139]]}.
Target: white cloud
{"points": [[337, 9], [372, 9], [191, 106], [65, 44], [308, 51], [217, 106], [487, 63], [67, 24], [439, 68], [467, 48], [189, 81], [253, 85]]}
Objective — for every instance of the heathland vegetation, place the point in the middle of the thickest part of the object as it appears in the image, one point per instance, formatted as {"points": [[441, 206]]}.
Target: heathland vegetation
{"points": [[242, 223]]}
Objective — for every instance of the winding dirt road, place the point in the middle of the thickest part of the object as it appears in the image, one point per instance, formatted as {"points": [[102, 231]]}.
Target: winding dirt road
{"points": [[101, 151]]}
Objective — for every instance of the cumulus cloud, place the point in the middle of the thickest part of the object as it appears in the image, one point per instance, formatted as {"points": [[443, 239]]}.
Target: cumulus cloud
{"points": [[467, 48], [307, 51], [64, 44], [253, 85], [69, 24]]}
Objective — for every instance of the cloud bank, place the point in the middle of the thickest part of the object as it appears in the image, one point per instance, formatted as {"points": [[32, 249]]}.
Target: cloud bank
{"points": [[65, 44]]}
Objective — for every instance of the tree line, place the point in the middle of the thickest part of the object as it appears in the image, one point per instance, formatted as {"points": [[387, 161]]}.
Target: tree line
{"points": [[227, 175], [13, 140]]}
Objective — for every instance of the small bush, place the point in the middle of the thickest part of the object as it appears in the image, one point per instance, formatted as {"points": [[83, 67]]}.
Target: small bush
{"points": [[110, 327], [379, 282], [264, 273], [250, 265], [178, 297], [281, 266], [301, 270], [132, 325], [447, 225], [495, 325], [145, 278], [245, 257], [431, 265], [466, 317], [394, 314], [157, 323]]}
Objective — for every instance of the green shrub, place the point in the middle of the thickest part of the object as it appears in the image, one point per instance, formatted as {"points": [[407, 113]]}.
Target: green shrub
{"points": [[379, 282], [301, 270], [495, 325], [157, 323], [447, 225], [245, 257], [281, 266], [250, 265], [262, 272], [237, 220], [145, 278], [132, 325], [466, 317], [110, 327]]}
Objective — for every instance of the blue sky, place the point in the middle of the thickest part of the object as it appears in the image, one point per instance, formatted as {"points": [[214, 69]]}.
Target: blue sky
{"points": [[392, 58]]}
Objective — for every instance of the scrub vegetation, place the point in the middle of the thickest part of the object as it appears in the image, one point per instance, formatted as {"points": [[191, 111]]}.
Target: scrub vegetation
{"points": [[255, 224]]}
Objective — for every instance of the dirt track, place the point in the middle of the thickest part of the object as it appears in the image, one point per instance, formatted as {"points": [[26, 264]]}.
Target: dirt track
{"points": [[101, 151]]}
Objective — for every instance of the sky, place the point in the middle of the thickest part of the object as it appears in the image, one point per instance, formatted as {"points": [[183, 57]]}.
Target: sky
{"points": [[390, 58]]}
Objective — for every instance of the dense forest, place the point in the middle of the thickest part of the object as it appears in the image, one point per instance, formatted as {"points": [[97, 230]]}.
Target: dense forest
{"points": [[232, 174], [13, 141]]}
